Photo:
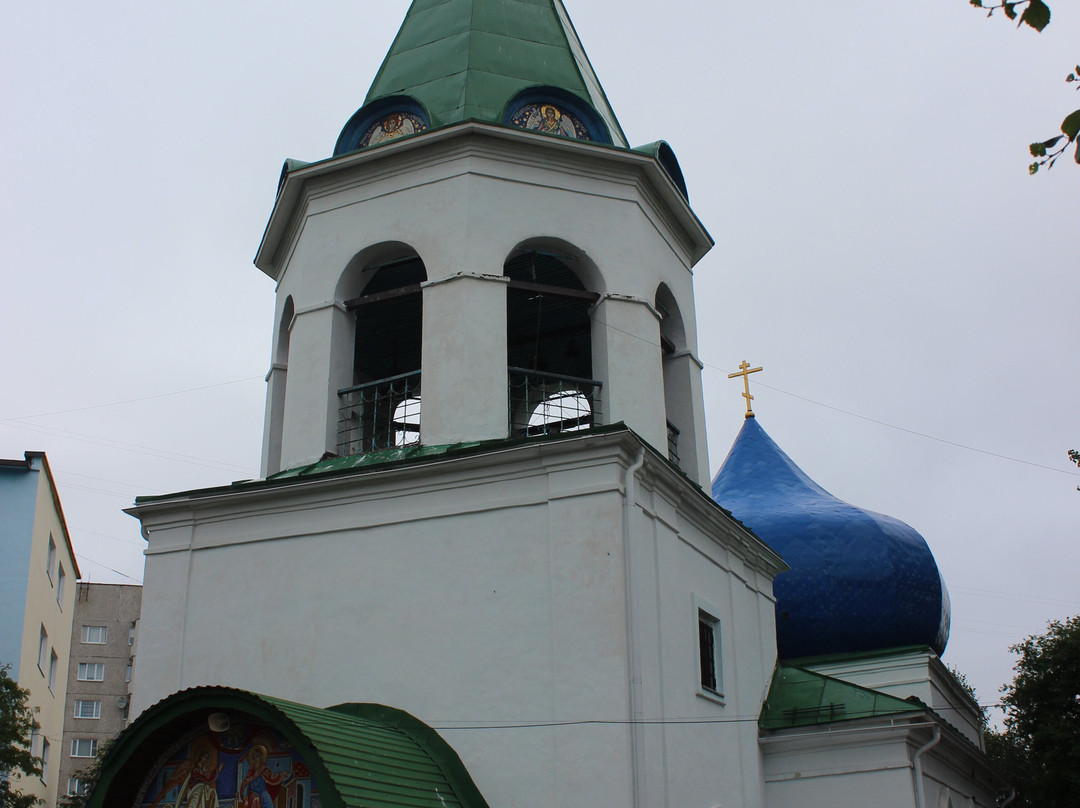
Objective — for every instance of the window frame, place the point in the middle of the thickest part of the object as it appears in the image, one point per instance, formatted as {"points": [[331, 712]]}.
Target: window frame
{"points": [[61, 578], [705, 618], [81, 788], [44, 759], [76, 713], [50, 559], [84, 635], [43, 649], [76, 744], [85, 666], [54, 665]]}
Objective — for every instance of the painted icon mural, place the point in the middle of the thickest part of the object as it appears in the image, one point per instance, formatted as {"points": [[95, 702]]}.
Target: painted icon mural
{"points": [[550, 119], [392, 125], [244, 766]]}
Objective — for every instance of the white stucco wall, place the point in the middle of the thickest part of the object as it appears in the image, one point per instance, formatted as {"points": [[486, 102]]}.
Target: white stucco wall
{"points": [[483, 591]]}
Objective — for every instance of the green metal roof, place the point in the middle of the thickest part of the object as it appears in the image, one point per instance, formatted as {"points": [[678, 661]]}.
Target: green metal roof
{"points": [[465, 59], [398, 456], [359, 754], [799, 697]]}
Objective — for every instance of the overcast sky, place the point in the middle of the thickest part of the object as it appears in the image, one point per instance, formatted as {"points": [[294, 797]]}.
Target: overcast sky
{"points": [[880, 249]]}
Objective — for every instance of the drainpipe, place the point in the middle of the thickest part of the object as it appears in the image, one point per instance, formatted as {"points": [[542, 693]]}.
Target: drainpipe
{"points": [[637, 728], [920, 793]]}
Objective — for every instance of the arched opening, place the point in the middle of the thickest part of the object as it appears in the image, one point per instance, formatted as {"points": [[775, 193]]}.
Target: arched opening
{"points": [[549, 343], [381, 408], [676, 378], [276, 384]]}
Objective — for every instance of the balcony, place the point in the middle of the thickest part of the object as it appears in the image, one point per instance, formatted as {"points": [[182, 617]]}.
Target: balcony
{"points": [[548, 404], [382, 414]]}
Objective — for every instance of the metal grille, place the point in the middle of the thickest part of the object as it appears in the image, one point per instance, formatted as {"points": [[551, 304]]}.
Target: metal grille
{"points": [[547, 403], [379, 415]]}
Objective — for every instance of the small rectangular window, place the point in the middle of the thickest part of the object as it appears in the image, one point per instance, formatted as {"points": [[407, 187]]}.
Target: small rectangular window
{"points": [[131, 635], [77, 787], [709, 653], [85, 708], [83, 747], [91, 672], [54, 663], [42, 650], [44, 760], [95, 635], [50, 562], [127, 673], [60, 578]]}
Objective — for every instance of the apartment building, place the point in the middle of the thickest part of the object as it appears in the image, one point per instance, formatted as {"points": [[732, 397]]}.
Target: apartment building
{"points": [[37, 599], [102, 658]]}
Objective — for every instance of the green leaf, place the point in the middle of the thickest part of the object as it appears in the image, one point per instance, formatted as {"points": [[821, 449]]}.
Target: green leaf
{"points": [[976, 3], [1076, 157], [1071, 125], [1010, 10], [1037, 149], [1033, 168], [1037, 15]]}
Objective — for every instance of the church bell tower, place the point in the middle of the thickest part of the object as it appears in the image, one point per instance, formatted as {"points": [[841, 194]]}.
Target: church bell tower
{"points": [[483, 257], [481, 499]]}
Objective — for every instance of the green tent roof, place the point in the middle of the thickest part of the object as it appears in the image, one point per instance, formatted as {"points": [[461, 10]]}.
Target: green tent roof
{"points": [[800, 697], [359, 754], [465, 59]]}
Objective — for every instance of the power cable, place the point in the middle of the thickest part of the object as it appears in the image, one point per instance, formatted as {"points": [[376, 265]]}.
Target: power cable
{"points": [[132, 400], [868, 418]]}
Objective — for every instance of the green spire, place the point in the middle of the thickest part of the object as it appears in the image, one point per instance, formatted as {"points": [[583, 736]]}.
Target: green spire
{"points": [[465, 59]]}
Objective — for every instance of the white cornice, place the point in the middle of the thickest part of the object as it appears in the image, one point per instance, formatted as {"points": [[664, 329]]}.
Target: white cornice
{"points": [[579, 160]]}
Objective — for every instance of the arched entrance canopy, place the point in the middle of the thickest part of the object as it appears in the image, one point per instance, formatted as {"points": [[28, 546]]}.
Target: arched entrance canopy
{"points": [[240, 745]]}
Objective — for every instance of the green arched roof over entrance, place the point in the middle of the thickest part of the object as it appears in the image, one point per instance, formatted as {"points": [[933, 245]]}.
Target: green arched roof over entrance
{"points": [[358, 754]]}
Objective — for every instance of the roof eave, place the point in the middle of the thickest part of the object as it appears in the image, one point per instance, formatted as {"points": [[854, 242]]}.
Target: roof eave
{"points": [[291, 194]]}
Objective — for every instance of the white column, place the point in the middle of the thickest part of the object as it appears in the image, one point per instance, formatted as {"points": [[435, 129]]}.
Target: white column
{"points": [[464, 382], [627, 359]]}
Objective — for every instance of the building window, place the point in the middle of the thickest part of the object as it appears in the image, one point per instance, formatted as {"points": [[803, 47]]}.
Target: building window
{"points": [[51, 561], [709, 653], [127, 673], [83, 747], [42, 650], [87, 709], [91, 672], [77, 787], [54, 663], [60, 577], [44, 760], [95, 635], [131, 635]]}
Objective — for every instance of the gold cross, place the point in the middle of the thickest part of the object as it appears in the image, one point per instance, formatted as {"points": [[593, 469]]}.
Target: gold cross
{"points": [[745, 370]]}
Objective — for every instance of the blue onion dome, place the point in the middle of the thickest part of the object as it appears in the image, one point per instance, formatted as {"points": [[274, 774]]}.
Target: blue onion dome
{"points": [[858, 582]]}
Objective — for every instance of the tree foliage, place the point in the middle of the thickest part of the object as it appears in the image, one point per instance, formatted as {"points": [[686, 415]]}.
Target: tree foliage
{"points": [[1036, 14], [17, 725], [1040, 748], [1074, 456]]}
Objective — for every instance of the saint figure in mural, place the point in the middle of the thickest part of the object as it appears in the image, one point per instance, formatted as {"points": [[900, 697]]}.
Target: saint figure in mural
{"points": [[197, 781], [394, 125], [550, 119], [261, 784]]}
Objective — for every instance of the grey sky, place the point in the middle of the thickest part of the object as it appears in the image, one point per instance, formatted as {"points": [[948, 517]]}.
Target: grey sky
{"points": [[880, 249]]}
